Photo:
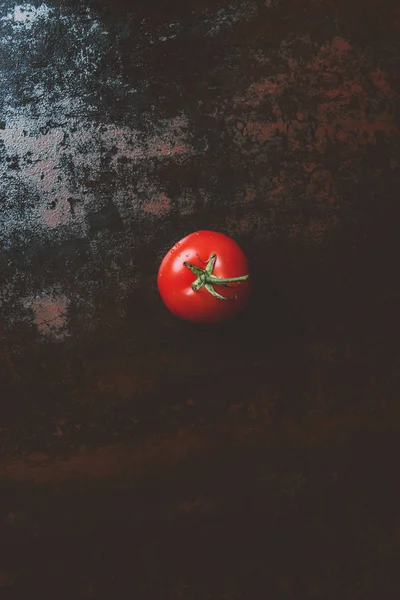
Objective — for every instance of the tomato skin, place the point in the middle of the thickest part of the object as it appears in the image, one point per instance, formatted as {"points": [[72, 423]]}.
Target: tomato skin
{"points": [[200, 306]]}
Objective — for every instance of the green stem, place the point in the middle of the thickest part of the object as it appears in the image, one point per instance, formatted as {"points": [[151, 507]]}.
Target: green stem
{"points": [[214, 279], [206, 279]]}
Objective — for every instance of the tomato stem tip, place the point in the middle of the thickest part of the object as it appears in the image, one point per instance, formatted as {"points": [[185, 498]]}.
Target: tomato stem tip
{"points": [[206, 279]]}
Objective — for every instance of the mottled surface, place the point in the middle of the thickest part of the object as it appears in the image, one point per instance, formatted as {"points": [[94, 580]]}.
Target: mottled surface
{"points": [[146, 458]]}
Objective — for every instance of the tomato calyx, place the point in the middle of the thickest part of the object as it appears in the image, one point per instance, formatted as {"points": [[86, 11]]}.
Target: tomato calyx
{"points": [[206, 279]]}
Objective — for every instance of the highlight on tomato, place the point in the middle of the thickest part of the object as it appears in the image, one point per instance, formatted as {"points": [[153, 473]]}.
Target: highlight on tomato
{"points": [[204, 278]]}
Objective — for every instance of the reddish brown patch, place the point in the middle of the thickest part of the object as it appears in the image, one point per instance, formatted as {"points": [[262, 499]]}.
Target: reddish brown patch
{"points": [[353, 130], [114, 460], [165, 452], [263, 132], [379, 79], [50, 314], [345, 92], [320, 184], [277, 190], [169, 149], [250, 195], [345, 112], [309, 167], [340, 44], [294, 129], [158, 207], [257, 91], [279, 185]]}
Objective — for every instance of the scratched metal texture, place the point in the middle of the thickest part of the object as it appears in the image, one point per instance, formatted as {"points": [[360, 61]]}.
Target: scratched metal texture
{"points": [[142, 457]]}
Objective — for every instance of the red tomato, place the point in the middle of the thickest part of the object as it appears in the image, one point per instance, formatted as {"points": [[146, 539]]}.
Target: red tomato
{"points": [[204, 278]]}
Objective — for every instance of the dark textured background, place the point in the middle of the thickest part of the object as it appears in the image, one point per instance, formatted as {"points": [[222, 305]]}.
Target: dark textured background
{"points": [[146, 458]]}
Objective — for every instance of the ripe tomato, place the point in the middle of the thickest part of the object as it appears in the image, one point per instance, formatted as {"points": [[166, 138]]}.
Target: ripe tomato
{"points": [[204, 278]]}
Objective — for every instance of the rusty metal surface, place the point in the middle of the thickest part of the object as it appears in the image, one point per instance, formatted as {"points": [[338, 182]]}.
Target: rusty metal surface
{"points": [[144, 457]]}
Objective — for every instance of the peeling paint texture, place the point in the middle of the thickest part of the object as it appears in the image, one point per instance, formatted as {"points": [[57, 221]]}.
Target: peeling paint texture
{"points": [[142, 457]]}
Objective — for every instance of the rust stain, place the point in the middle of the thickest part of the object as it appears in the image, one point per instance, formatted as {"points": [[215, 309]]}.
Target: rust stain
{"points": [[250, 195], [341, 44], [116, 460], [348, 107], [166, 452], [258, 91], [320, 183], [158, 207], [353, 130], [279, 184], [379, 79], [263, 132], [50, 314], [345, 110], [276, 191]]}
